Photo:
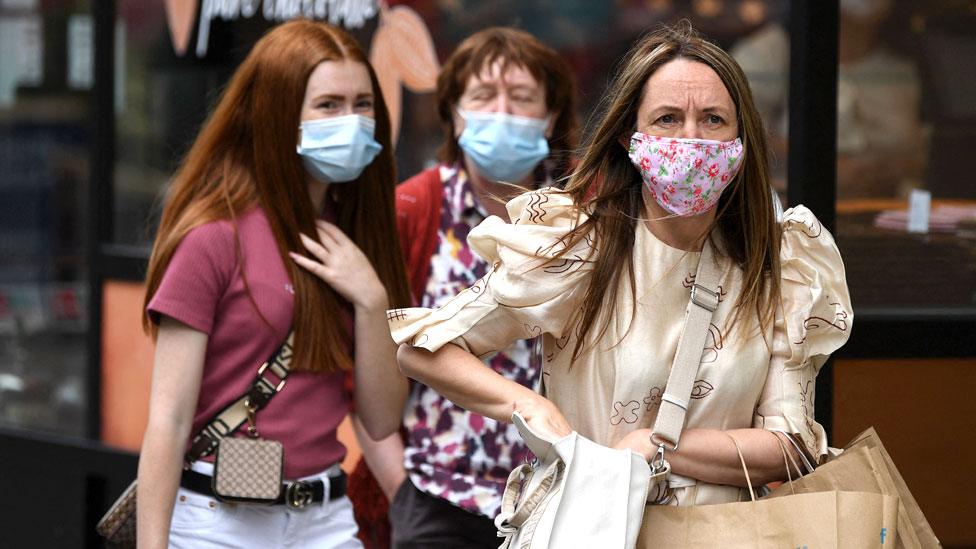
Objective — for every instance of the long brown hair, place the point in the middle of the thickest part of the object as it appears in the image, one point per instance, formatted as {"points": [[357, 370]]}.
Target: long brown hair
{"points": [[512, 47], [245, 156], [608, 187]]}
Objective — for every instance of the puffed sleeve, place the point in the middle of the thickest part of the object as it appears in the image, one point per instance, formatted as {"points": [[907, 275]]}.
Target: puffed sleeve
{"points": [[813, 322], [527, 291]]}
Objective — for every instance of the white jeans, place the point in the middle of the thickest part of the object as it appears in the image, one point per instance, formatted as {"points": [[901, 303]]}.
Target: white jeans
{"points": [[203, 522]]}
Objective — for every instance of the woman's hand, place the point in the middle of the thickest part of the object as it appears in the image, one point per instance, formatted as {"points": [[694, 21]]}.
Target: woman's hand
{"points": [[638, 441], [543, 416], [342, 265]]}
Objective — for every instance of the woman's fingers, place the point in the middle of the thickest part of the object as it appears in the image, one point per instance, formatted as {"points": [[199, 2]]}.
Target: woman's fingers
{"points": [[316, 249], [311, 266], [329, 233]]}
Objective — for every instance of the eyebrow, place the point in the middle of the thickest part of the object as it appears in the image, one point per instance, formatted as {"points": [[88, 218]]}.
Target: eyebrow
{"points": [[339, 96], [669, 108], [480, 84]]}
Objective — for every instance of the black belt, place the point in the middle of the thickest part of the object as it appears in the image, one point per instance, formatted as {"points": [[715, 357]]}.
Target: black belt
{"points": [[295, 494]]}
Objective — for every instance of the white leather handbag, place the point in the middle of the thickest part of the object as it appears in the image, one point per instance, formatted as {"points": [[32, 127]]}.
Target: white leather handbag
{"points": [[608, 487]]}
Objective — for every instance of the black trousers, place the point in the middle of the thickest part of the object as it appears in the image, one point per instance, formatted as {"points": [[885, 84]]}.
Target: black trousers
{"points": [[420, 520]]}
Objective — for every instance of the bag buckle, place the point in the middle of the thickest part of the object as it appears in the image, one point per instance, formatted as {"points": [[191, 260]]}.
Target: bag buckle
{"points": [[252, 426], [708, 301], [298, 494]]}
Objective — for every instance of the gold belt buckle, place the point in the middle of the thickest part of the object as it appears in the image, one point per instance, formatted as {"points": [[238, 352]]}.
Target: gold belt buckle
{"points": [[298, 494]]}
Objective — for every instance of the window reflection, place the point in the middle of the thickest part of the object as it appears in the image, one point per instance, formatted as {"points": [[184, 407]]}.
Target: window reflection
{"points": [[167, 95], [903, 125], [44, 149]]}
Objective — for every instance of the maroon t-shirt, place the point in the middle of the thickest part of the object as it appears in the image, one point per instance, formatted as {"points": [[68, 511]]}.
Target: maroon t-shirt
{"points": [[203, 288]]}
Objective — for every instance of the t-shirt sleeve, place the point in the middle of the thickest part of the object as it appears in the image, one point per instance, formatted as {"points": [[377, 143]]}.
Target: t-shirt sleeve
{"points": [[197, 277], [530, 289]]}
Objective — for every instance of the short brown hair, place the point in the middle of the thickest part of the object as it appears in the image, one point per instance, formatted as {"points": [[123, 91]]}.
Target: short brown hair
{"points": [[511, 46]]}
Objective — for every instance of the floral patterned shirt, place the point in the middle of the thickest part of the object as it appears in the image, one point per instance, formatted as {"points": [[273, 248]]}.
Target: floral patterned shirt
{"points": [[459, 456]]}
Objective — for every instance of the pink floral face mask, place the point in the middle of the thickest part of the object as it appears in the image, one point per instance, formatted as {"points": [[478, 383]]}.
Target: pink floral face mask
{"points": [[685, 176]]}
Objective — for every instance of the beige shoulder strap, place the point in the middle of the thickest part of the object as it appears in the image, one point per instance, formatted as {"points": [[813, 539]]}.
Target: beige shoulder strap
{"points": [[677, 393]]}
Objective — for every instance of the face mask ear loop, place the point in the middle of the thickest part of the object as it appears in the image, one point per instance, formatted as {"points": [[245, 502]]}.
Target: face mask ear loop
{"points": [[646, 219], [550, 126]]}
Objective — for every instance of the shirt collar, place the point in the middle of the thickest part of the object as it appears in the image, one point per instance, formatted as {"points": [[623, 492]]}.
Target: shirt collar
{"points": [[465, 199]]}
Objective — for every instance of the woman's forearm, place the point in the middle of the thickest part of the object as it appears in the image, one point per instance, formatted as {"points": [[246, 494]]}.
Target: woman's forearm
{"points": [[709, 455], [464, 380], [380, 390], [384, 458], [159, 476], [177, 370], [467, 382]]}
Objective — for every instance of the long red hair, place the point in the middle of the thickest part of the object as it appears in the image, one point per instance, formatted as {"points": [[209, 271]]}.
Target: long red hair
{"points": [[245, 156]]}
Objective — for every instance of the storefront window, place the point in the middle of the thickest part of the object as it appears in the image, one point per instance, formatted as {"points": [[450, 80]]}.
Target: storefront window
{"points": [[172, 68], [905, 129], [45, 75]]}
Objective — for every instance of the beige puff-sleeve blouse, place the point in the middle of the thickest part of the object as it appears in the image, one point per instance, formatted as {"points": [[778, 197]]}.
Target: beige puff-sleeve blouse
{"points": [[746, 378]]}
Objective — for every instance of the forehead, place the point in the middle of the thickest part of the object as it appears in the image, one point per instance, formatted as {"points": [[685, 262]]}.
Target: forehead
{"points": [[341, 77], [687, 84], [499, 70]]}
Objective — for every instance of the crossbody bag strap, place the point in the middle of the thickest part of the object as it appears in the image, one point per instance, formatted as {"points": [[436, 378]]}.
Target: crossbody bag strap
{"points": [[268, 382], [677, 393]]}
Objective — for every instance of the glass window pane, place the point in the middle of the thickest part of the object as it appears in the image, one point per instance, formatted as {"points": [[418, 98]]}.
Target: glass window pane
{"points": [[165, 94], [905, 123], [45, 75]]}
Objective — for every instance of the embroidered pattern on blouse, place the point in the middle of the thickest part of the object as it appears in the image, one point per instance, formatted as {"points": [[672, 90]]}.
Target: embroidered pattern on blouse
{"points": [[839, 321], [626, 413], [713, 344], [535, 208], [701, 389], [805, 399], [653, 398], [811, 228]]}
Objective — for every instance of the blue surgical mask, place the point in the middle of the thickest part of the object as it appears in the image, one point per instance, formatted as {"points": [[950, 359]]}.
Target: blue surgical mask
{"points": [[503, 147], [338, 149]]}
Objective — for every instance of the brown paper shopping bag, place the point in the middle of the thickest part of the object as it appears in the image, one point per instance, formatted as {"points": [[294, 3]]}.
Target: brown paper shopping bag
{"points": [[825, 520], [865, 466]]}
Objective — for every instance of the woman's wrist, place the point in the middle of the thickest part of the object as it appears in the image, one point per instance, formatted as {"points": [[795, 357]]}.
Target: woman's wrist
{"points": [[375, 301]]}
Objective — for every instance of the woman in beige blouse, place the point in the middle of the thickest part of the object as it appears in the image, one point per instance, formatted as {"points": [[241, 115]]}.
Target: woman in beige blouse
{"points": [[603, 272]]}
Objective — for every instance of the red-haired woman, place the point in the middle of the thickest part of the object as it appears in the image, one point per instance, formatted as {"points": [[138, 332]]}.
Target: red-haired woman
{"points": [[296, 156]]}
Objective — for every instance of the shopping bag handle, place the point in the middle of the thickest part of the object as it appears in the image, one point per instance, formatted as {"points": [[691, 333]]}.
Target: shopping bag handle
{"points": [[787, 460], [511, 517], [752, 493]]}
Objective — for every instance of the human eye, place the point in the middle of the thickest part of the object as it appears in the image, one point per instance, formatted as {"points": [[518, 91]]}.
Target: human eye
{"points": [[666, 119], [327, 104], [481, 93], [364, 103], [714, 120]]}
